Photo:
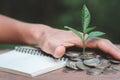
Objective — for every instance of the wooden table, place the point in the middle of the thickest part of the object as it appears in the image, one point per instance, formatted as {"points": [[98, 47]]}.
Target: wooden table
{"points": [[59, 75]]}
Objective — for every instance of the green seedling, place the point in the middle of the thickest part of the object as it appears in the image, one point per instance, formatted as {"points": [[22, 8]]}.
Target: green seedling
{"points": [[86, 30]]}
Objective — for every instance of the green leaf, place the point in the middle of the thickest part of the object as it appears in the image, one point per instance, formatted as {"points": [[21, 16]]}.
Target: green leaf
{"points": [[85, 17], [89, 29], [74, 31], [95, 34]]}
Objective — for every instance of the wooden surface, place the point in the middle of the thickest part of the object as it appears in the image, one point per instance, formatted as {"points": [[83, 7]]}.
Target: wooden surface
{"points": [[59, 75]]}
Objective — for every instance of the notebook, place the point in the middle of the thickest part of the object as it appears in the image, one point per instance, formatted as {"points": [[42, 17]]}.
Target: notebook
{"points": [[29, 61]]}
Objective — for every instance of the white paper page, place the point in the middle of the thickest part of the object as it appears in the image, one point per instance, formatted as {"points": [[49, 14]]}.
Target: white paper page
{"points": [[28, 63]]}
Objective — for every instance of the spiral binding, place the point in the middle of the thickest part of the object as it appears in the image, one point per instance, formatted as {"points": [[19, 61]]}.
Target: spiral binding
{"points": [[28, 50], [36, 51]]}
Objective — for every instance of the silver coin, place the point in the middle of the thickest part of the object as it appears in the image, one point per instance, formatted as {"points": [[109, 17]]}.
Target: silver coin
{"points": [[116, 67], [98, 56], [90, 52], [75, 58], [92, 62], [109, 71], [72, 54], [81, 66], [115, 61], [71, 65], [94, 71], [103, 64], [88, 56]]}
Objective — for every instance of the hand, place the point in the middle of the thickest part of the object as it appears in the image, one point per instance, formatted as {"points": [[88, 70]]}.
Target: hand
{"points": [[56, 41], [105, 45], [51, 40]]}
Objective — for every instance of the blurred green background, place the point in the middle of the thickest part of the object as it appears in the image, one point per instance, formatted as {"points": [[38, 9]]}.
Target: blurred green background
{"points": [[58, 13]]}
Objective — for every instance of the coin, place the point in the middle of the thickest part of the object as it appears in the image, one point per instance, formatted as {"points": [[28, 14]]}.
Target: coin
{"points": [[84, 57], [103, 64], [88, 55], [109, 70], [92, 62], [115, 61], [75, 59], [116, 67], [72, 54], [71, 65], [81, 66], [94, 71]]}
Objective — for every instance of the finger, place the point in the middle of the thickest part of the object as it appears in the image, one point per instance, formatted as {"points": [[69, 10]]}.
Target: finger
{"points": [[59, 51], [106, 46]]}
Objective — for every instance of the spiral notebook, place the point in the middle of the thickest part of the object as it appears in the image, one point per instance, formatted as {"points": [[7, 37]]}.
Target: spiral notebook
{"points": [[29, 61]]}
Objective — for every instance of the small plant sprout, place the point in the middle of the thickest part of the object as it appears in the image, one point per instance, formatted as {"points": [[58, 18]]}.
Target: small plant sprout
{"points": [[86, 30]]}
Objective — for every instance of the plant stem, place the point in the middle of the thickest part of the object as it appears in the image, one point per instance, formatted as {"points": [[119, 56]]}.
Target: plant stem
{"points": [[84, 46]]}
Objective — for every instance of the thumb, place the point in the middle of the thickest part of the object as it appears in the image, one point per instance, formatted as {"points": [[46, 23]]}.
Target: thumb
{"points": [[59, 51]]}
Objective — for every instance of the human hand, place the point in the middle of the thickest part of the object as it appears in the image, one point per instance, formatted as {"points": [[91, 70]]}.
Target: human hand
{"points": [[51, 40], [55, 42]]}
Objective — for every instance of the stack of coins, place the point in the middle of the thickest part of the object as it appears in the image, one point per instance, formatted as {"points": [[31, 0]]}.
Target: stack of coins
{"points": [[74, 56], [92, 62]]}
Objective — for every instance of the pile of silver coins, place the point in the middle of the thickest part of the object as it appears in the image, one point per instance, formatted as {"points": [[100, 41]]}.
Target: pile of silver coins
{"points": [[93, 62]]}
